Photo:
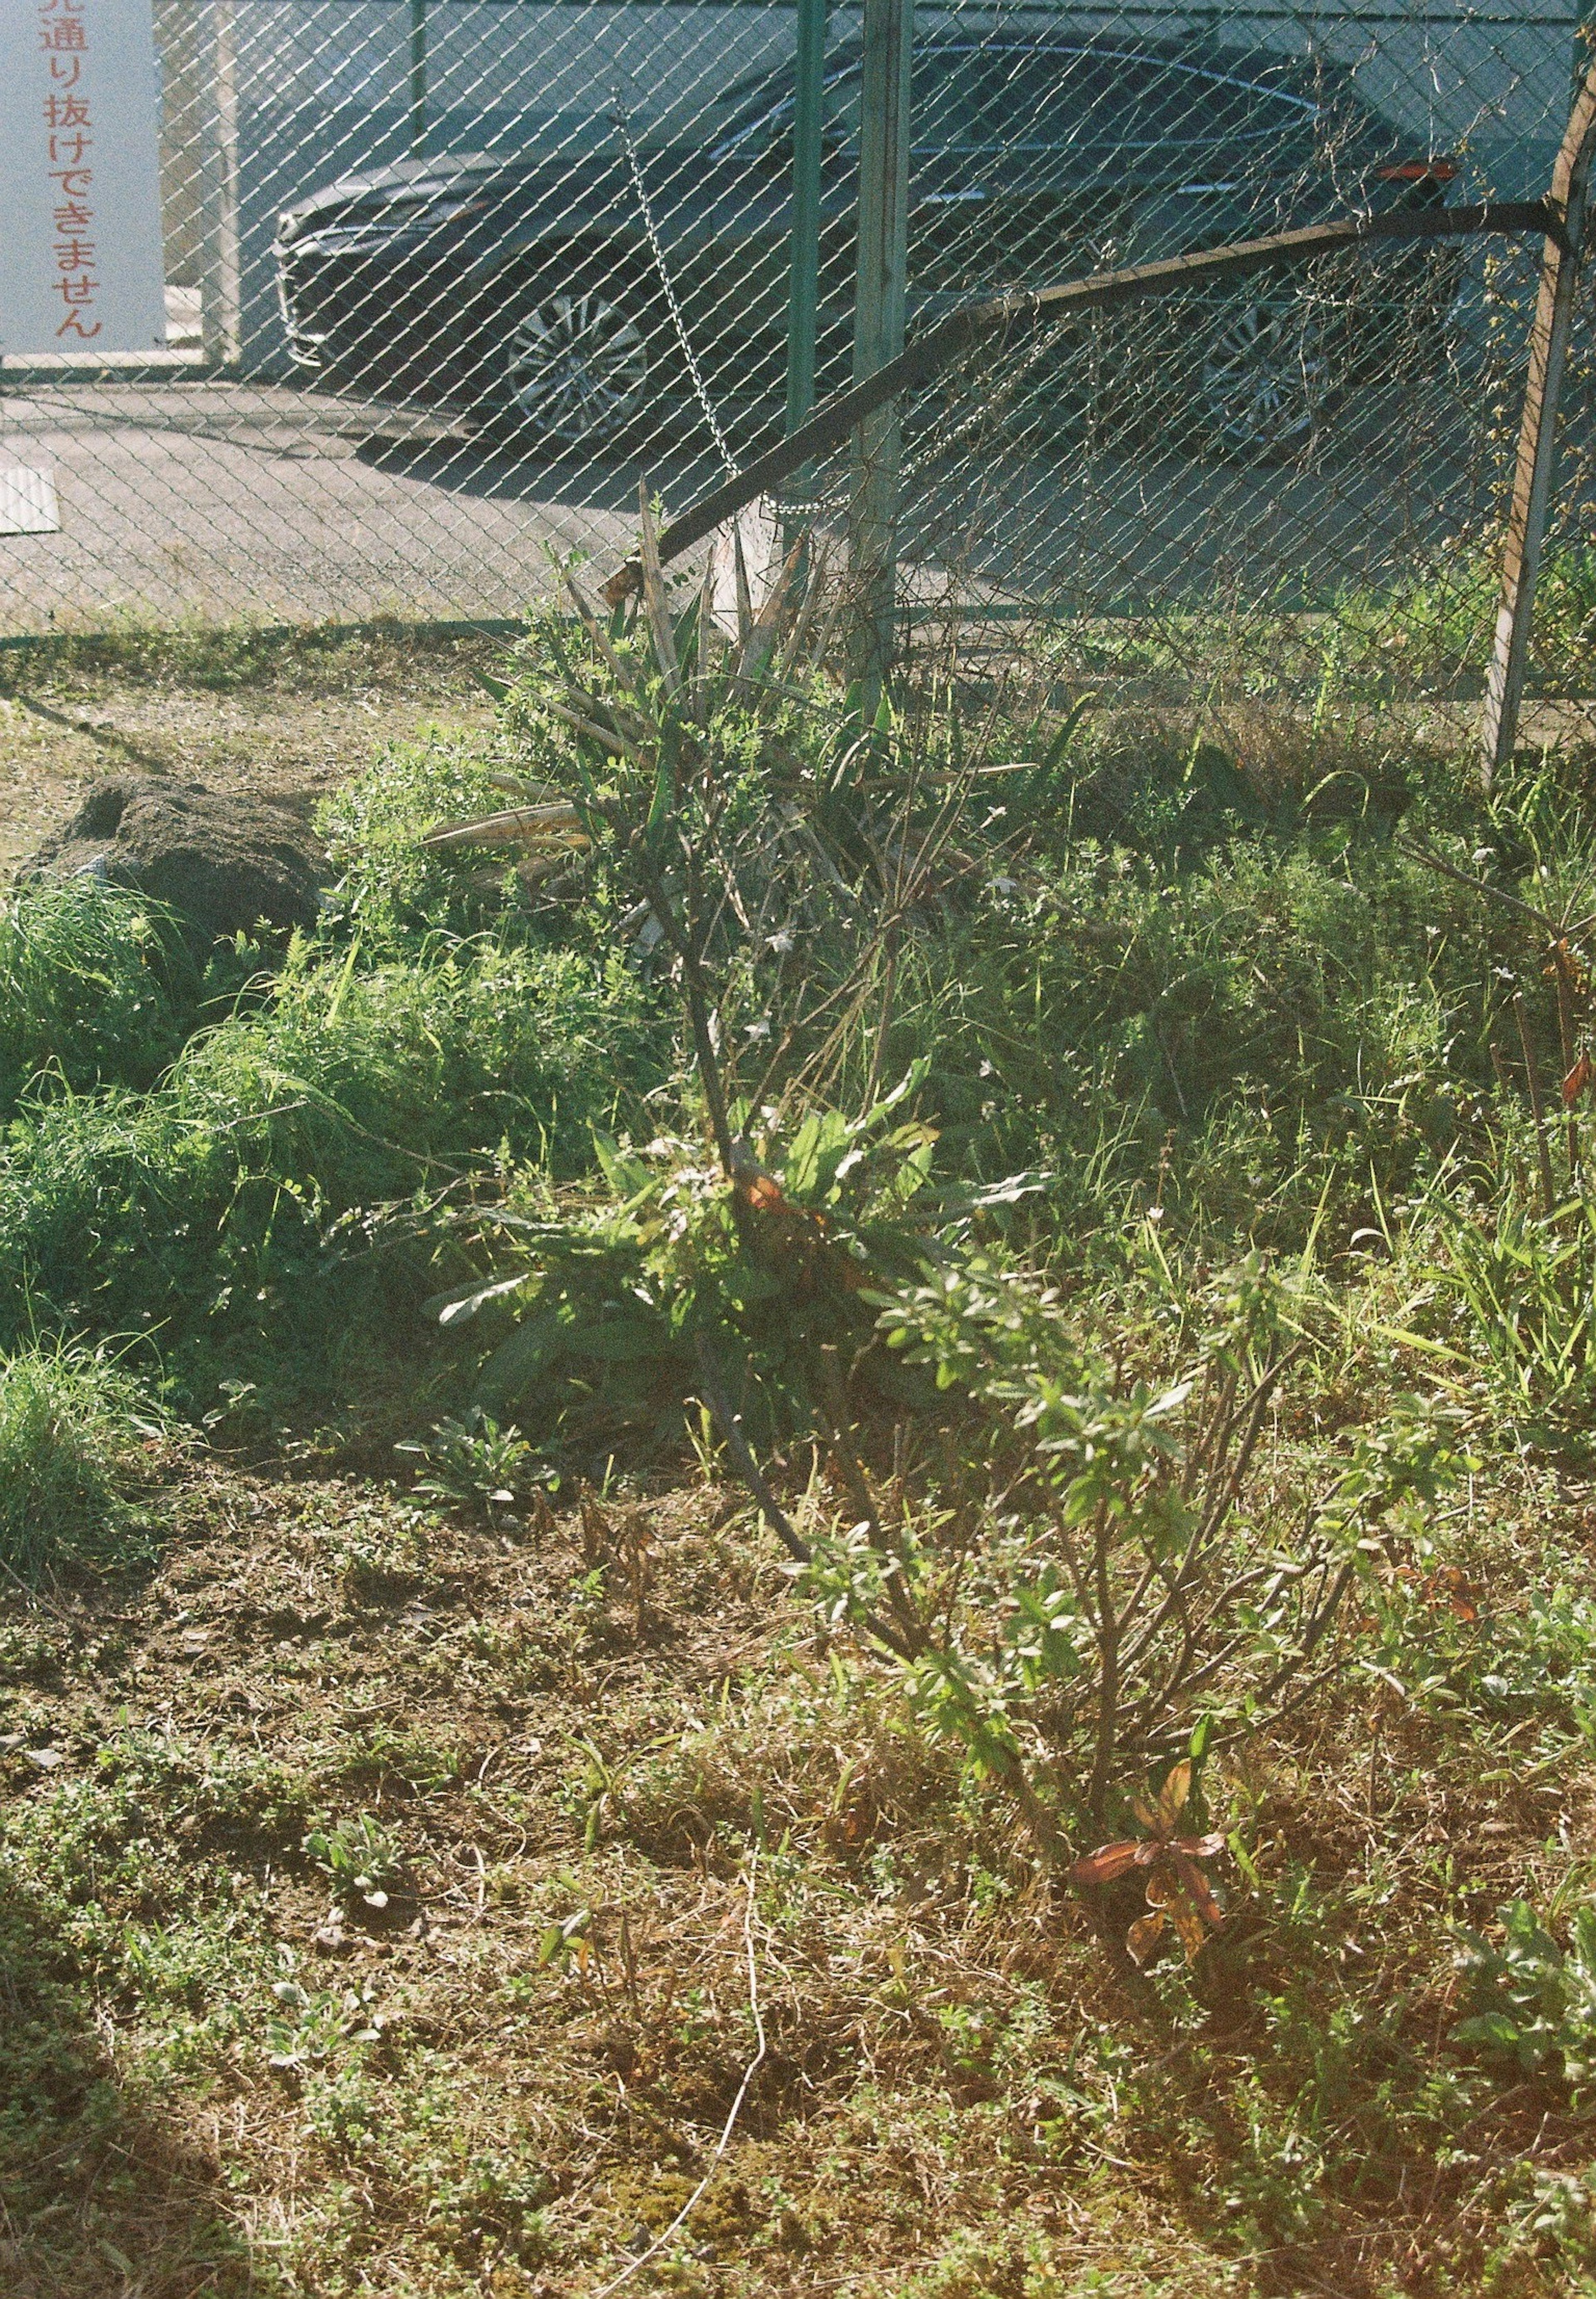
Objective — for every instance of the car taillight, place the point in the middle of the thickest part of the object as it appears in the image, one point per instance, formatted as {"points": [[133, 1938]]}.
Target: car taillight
{"points": [[1418, 171]]}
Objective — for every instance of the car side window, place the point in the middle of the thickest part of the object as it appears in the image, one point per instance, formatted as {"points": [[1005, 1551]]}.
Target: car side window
{"points": [[992, 97]]}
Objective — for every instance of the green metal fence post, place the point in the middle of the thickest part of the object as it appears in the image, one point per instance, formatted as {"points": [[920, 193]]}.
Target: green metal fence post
{"points": [[803, 287], [879, 312], [418, 75]]}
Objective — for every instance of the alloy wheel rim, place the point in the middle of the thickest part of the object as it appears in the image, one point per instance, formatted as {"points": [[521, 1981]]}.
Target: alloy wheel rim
{"points": [[578, 366], [1265, 377]]}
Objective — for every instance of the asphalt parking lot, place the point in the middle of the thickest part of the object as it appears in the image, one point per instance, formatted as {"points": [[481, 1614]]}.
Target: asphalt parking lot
{"points": [[221, 499]]}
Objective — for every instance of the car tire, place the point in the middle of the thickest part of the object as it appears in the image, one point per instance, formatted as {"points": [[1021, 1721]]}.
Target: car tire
{"points": [[571, 366], [1266, 381]]}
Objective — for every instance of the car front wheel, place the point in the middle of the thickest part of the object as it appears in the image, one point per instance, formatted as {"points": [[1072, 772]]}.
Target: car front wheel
{"points": [[574, 367], [1265, 380]]}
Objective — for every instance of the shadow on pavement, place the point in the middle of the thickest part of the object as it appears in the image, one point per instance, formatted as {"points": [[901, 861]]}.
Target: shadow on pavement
{"points": [[502, 471]]}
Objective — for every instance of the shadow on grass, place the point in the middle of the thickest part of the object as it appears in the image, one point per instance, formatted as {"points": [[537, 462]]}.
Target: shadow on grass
{"points": [[99, 2197]]}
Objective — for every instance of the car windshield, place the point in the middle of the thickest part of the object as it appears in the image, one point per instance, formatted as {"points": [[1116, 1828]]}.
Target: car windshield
{"points": [[989, 97]]}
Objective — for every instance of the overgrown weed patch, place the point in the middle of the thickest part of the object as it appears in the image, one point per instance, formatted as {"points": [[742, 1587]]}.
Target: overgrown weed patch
{"points": [[1113, 1213]]}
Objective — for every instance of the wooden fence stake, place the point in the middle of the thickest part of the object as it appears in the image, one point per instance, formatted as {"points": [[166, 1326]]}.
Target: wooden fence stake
{"points": [[1537, 437]]}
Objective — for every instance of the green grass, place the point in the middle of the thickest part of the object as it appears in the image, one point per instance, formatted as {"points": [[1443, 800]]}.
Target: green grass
{"points": [[96, 988], [220, 1214], [223, 658], [75, 1431]]}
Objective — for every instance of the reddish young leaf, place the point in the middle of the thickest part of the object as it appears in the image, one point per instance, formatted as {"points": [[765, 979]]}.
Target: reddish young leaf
{"points": [[1198, 1848], [1110, 1861], [1198, 1891], [1450, 1586], [1563, 966], [1576, 1081], [1180, 1891], [1142, 1935], [1189, 1924], [761, 1191], [1173, 1794]]}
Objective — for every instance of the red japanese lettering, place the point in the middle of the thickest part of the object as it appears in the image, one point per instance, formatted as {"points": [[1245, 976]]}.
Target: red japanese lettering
{"points": [[67, 33], [73, 325], [66, 111]]}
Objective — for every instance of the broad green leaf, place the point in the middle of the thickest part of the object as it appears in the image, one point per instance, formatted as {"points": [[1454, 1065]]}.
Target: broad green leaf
{"points": [[516, 1363]]}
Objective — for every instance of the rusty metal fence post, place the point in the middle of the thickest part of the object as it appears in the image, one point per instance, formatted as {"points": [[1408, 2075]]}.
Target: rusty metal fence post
{"points": [[1537, 438], [880, 315]]}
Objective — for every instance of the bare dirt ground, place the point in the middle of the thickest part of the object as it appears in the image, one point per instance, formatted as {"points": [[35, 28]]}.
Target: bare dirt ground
{"points": [[232, 715], [299, 1654]]}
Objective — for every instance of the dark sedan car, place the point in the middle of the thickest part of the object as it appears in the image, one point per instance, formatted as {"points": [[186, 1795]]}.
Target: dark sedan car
{"points": [[600, 276]]}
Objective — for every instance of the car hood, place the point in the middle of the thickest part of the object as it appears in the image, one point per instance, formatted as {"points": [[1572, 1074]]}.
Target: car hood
{"points": [[420, 182]]}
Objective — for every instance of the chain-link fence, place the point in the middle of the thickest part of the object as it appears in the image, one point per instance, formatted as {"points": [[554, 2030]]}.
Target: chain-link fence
{"points": [[1291, 482], [447, 278]]}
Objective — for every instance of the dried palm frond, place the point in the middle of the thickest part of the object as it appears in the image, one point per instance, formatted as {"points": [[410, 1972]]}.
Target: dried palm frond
{"points": [[638, 706]]}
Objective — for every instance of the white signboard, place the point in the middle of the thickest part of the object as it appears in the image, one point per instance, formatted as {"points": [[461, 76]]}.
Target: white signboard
{"points": [[81, 267]]}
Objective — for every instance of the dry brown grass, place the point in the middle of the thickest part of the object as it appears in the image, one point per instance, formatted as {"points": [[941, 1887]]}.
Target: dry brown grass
{"points": [[286, 728], [954, 2098]]}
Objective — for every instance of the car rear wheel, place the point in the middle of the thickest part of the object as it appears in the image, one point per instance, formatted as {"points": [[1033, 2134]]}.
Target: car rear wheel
{"points": [[574, 367], [1266, 377]]}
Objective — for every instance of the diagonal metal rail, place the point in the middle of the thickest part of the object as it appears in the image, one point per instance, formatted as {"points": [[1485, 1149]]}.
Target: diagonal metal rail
{"points": [[951, 337]]}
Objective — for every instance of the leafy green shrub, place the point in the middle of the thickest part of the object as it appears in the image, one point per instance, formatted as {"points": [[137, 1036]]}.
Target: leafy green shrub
{"points": [[391, 886], [613, 1303], [1130, 1595], [95, 989], [73, 1430], [1534, 2003], [838, 903]]}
